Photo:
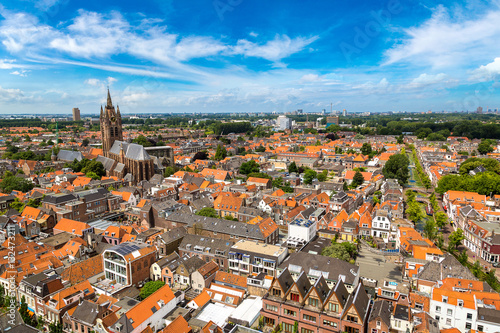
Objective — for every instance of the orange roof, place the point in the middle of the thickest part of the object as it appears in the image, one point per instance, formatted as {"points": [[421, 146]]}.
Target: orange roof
{"points": [[72, 226], [178, 325], [145, 309], [229, 278], [31, 213], [202, 299], [125, 195]]}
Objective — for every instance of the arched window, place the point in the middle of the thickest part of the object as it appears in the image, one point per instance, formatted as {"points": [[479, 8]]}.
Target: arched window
{"points": [[116, 131]]}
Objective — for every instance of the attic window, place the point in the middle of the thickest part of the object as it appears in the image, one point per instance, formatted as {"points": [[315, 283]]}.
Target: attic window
{"points": [[153, 309]]}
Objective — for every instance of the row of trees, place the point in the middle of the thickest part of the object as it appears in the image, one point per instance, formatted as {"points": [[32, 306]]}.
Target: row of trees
{"points": [[424, 178], [397, 167]]}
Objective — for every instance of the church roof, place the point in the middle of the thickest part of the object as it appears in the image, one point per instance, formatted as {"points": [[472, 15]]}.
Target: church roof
{"points": [[106, 162], [132, 151], [68, 155]]}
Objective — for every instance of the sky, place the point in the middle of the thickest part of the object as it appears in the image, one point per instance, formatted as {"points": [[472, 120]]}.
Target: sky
{"points": [[162, 56]]}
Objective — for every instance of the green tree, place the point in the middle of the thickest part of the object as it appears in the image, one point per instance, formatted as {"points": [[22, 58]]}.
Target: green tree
{"points": [[456, 238], [260, 149], [344, 251], [484, 147], [143, 141], [150, 287], [430, 229], [358, 179], [85, 142], [169, 171], [220, 153], [441, 219], [414, 212], [208, 211], [366, 149], [323, 175], [397, 168], [463, 257], [13, 183], [249, 167], [309, 176], [293, 167], [56, 327]]}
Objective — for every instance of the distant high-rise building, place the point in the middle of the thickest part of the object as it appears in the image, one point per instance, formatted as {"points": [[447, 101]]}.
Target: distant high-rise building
{"points": [[76, 114], [344, 113], [479, 109], [284, 123], [332, 120]]}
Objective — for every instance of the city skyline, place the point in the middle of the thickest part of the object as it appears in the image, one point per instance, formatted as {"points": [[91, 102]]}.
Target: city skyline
{"points": [[236, 55]]}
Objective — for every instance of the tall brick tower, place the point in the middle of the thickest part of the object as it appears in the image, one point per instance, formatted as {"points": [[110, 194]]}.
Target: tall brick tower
{"points": [[111, 126]]}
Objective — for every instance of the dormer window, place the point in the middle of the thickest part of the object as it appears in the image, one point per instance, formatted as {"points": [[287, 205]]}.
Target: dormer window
{"points": [[445, 299]]}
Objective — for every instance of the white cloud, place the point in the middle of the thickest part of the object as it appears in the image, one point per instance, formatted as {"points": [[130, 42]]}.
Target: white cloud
{"points": [[21, 30], [448, 39], [21, 72], [274, 50], [487, 72], [253, 34], [93, 34], [45, 5], [9, 95], [424, 80]]}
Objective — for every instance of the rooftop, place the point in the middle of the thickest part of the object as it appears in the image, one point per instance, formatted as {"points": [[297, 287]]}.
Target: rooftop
{"points": [[262, 248]]}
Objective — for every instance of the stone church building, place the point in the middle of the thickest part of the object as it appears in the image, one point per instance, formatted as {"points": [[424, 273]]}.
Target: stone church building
{"points": [[122, 159]]}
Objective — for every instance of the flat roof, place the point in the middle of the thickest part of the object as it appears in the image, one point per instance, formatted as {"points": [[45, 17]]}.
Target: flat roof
{"points": [[262, 248], [217, 313], [375, 266]]}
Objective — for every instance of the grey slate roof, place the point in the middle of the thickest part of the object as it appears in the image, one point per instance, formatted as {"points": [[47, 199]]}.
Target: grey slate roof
{"points": [[132, 151], [489, 315], [206, 242], [86, 312], [312, 264], [106, 162], [360, 300], [219, 225], [173, 234], [449, 267], [69, 155], [58, 199], [381, 309]]}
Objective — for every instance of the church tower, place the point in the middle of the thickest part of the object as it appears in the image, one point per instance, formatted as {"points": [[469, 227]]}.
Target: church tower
{"points": [[111, 126]]}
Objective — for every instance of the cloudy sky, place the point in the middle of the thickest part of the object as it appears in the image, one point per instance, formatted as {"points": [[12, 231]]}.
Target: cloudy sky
{"points": [[248, 55]]}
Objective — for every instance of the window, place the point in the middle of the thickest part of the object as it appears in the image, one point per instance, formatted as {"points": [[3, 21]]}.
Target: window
{"points": [[313, 302], [468, 326], [288, 328], [288, 312], [294, 297], [449, 312], [438, 318], [352, 318], [374, 330], [305, 330], [273, 308], [480, 328], [276, 292], [469, 316], [309, 318], [333, 307], [448, 321], [330, 323], [445, 299], [397, 323], [438, 309], [379, 323], [460, 303]]}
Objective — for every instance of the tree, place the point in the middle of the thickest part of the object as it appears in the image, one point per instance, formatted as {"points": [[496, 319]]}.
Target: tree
{"points": [[456, 238], [143, 141], [85, 142], [208, 211], [414, 212], [463, 257], [441, 219], [430, 229], [230, 218], [366, 149], [56, 327], [260, 149], [94, 167], [323, 175], [220, 153], [201, 155], [249, 167], [293, 167], [358, 179], [169, 171], [150, 287], [309, 176], [397, 168], [484, 147], [344, 251], [13, 183]]}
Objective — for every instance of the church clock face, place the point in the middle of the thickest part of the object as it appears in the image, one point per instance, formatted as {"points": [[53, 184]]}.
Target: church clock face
{"points": [[113, 119]]}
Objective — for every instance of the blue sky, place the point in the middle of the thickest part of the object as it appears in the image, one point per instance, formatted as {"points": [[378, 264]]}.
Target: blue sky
{"points": [[248, 56]]}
